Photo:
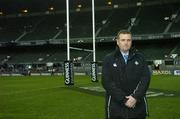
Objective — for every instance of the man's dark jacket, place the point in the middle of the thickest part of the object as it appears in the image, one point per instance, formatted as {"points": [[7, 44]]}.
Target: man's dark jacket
{"points": [[120, 80]]}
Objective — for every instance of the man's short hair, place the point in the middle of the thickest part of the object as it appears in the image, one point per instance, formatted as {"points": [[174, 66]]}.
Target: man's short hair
{"points": [[124, 31]]}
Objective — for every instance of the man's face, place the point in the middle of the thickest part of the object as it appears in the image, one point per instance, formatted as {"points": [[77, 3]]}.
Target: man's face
{"points": [[124, 42]]}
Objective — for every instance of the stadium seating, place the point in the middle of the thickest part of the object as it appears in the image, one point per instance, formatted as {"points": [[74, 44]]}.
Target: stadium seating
{"points": [[118, 19], [141, 20], [151, 19], [45, 28], [151, 49], [8, 30], [175, 27]]}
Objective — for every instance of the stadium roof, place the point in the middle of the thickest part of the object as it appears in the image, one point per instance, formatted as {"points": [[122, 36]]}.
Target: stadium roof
{"points": [[17, 6]]}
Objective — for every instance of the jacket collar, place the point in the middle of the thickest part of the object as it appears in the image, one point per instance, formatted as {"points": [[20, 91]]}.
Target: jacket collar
{"points": [[132, 53]]}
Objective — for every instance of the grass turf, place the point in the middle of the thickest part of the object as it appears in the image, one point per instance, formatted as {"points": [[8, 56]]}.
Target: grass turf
{"points": [[46, 97]]}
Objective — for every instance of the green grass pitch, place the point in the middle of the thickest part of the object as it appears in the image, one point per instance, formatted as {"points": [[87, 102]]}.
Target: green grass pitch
{"points": [[46, 97]]}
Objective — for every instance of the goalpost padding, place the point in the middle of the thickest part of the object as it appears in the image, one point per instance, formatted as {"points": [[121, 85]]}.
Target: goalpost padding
{"points": [[68, 73], [94, 72]]}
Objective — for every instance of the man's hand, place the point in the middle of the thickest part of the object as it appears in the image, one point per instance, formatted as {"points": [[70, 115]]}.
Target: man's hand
{"points": [[131, 102]]}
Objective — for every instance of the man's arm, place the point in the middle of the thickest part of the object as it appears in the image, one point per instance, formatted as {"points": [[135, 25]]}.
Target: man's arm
{"points": [[143, 84], [141, 88], [109, 84]]}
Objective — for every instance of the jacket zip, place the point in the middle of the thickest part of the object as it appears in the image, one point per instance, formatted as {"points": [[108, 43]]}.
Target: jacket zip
{"points": [[146, 106], [108, 108]]}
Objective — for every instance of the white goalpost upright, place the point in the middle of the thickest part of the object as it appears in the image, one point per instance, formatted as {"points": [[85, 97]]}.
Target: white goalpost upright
{"points": [[67, 29], [68, 64], [93, 63], [93, 32]]}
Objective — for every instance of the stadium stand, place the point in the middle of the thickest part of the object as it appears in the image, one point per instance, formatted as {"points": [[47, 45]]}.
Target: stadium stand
{"points": [[118, 19], [46, 28], [151, 19], [38, 29], [156, 50], [151, 49], [81, 25]]}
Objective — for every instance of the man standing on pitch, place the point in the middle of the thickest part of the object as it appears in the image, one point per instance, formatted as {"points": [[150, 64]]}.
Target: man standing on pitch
{"points": [[125, 77]]}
